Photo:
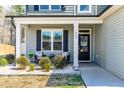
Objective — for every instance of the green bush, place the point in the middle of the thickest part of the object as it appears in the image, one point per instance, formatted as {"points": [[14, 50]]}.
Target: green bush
{"points": [[47, 67], [22, 62], [3, 62], [32, 67], [45, 63], [60, 61]]}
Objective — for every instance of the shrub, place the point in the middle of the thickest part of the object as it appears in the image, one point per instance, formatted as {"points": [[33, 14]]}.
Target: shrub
{"points": [[45, 63], [32, 67], [22, 62], [47, 67], [60, 62], [10, 58], [3, 62]]}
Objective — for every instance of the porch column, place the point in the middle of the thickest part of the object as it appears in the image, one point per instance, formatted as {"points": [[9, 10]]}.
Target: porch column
{"points": [[18, 40], [75, 63]]}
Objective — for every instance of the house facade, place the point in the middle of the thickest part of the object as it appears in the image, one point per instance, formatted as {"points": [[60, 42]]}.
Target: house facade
{"points": [[88, 33]]}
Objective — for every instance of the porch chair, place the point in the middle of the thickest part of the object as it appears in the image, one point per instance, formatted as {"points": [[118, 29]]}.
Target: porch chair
{"points": [[66, 55], [38, 56]]}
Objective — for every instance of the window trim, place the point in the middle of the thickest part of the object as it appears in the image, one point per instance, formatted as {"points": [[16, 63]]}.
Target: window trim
{"points": [[50, 9], [89, 11], [51, 30]]}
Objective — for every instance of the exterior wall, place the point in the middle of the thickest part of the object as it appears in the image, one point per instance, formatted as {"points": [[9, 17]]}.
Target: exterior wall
{"points": [[110, 43], [100, 8], [31, 37], [69, 10]]}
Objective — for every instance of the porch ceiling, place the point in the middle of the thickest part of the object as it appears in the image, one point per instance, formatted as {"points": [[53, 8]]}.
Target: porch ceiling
{"points": [[58, 20]]}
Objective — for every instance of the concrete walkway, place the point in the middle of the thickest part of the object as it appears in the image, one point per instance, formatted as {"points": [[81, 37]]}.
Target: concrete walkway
{"points": [[95, 76]]}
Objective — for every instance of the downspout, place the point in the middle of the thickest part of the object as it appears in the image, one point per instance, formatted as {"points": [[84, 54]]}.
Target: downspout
{"points": [[12, 22]]}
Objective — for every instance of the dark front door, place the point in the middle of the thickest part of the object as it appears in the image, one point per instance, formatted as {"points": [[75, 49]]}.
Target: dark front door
{"points": [[84, 47]]}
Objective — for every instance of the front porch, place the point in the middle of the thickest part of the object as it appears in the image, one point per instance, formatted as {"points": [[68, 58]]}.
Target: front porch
{"points": [[71, 31]]}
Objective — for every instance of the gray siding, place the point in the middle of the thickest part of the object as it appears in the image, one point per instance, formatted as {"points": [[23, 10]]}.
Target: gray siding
{"points": [[69, 10], [100, 8], [110, 43]]}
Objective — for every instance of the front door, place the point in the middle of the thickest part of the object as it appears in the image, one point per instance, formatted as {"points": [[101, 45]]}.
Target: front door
{"points": [[84, 47]]}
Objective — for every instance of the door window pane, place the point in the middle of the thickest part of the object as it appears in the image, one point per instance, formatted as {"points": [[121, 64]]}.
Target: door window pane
{"points": [[84, 43]]}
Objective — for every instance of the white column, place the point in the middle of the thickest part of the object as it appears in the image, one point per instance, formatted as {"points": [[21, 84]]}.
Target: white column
{"points": [[18, 40], [76, 31]]}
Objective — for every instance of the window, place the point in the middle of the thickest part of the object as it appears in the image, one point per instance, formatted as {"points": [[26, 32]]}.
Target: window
{"points": [[55, 7], [52, 39], [84, 9], [57, 40], [46, 40], [44, 7], [50, 7]]}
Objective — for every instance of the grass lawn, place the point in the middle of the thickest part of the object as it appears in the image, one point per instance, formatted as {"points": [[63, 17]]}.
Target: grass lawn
{"points": [[34, 81]]}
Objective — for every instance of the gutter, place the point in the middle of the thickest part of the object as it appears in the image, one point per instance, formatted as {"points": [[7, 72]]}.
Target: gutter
{"points": [[27, 16]]}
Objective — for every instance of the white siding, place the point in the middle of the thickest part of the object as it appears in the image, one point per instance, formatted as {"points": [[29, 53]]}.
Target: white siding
{"points": [[110, 43]]}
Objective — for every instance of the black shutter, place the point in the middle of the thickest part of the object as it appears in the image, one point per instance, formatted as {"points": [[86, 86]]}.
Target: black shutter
{"points": [[62, 7], [65, 41], [26, 9], [38, 40], [36, 7]]}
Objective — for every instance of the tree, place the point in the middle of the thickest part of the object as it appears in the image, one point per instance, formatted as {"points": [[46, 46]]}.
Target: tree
{"points": [[1, 8], [7, 31], [17, 9]]}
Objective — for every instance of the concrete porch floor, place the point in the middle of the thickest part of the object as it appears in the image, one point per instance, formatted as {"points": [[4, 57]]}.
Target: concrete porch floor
{"points": [[95, 76]]}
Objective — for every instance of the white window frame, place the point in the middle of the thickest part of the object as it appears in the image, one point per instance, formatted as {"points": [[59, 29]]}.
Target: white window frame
{"points": [[50, 9], [51, 30], [84, 11]]}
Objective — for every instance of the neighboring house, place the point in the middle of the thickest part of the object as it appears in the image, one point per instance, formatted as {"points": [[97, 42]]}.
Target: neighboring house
{"points": [[89, 33]]}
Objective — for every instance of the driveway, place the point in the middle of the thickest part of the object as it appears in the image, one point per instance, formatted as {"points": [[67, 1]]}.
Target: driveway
{"points": [[95, 76]]}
